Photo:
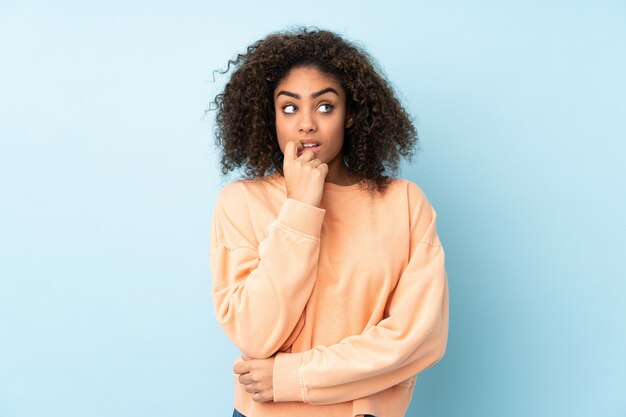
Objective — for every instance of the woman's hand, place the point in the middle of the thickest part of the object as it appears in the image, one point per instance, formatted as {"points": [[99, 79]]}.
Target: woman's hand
{"points": [[257, 377], [304, 175]]}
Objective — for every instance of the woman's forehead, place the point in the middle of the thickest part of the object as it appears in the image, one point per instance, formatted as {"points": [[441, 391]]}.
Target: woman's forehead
{"points": [[308, 80]]}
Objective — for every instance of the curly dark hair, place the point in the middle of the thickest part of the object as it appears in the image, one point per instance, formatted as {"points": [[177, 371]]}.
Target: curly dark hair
{"points": [[245, 121]]}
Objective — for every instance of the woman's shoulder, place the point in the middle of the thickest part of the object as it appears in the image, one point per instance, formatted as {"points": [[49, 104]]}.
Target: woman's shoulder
{"points": [[407, 187], [265, 181], [236, 191], [421, 212], [411, 197]]}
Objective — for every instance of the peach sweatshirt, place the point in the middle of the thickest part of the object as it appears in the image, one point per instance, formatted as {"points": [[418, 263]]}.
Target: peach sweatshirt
{"points": [[351, 296]]}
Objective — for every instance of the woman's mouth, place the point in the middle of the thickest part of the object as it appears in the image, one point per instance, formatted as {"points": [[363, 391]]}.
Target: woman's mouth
{"points": [[312, 146]]}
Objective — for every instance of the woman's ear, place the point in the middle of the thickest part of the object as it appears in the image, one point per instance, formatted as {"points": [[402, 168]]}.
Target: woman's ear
{"points": [[349, 122]]}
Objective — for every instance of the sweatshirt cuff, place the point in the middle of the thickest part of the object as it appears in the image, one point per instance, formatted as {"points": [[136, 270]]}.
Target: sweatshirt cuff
{"points": [[288, 384], [302, 217]]}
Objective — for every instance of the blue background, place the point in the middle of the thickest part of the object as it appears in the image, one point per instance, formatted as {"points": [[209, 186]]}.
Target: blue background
{"points": [[108, 179]]}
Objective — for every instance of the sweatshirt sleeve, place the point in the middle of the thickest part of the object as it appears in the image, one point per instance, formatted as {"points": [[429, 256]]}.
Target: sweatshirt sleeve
{"points": [[260, 290], [410, 339]]}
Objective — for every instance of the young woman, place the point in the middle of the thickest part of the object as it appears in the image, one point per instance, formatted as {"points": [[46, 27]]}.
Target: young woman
{"points": [[328, 273]]}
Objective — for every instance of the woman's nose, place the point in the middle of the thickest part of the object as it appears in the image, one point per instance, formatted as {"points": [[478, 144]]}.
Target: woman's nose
{"points": [[307, 122]]}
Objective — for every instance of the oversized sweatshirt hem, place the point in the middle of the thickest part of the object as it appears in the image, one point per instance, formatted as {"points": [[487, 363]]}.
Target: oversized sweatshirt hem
{"points": [[392, 402]]}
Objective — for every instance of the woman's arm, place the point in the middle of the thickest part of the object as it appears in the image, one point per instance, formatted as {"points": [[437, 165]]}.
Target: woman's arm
{"points": [[407, 342], [410, 339], [259, 293]]}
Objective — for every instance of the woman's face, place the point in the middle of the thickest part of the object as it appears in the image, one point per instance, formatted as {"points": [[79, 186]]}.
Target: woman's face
{"points": [[310, 106]]}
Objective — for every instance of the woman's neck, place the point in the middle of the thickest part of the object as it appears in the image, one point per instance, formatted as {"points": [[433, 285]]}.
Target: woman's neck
{"points": [[341, 176]]}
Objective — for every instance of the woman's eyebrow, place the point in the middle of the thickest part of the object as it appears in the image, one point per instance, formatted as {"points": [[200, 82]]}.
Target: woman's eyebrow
{"points": [[314, 95]]}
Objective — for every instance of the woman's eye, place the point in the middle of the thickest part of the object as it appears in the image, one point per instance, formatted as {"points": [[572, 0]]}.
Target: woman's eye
{"points": [[289, 108], [326, 108]]}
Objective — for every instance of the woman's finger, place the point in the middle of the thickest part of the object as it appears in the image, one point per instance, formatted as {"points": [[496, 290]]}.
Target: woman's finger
{"points": [[306, 156], [241, 367], [245, 379], [288, 154], [324, 168], [260, 398]]}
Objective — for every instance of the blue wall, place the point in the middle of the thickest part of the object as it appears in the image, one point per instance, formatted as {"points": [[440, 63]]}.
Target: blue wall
{"points": [[108, 180]]}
